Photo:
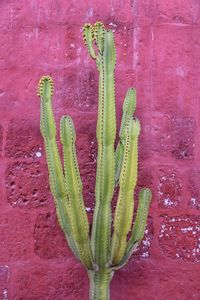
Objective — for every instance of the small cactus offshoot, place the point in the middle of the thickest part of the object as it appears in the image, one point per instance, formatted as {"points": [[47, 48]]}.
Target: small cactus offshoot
{"points": [[103, 252]]}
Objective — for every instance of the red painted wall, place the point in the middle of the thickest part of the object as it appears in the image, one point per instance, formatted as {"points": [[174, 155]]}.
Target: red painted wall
{"points": [[158, 52]]}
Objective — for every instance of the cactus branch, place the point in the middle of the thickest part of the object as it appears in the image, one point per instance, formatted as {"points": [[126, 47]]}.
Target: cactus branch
{"points": [[138, 228], [88, 38], [80, 229], [128, 111], [99, 31], [127, 182], [57, 183], [141, 217]]}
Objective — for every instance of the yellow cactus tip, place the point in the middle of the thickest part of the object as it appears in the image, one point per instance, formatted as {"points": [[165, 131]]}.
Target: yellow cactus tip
{"points": [[99, 24], [85, 30], [45, 86], [87, 25]]}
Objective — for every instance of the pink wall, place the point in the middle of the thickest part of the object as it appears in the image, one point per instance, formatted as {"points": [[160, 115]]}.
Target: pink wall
{"points": [[158, 52]]}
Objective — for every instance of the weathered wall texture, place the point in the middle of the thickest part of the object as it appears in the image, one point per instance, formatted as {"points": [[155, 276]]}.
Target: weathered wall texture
{"points": [[158, 52]]}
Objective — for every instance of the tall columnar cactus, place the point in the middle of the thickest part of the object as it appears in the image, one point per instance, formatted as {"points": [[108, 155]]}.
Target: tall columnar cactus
{"points": [[103, 253]]}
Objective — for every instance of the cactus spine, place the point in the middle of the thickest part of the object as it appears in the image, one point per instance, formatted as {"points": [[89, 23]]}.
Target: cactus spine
{"points": [[103, 253]]}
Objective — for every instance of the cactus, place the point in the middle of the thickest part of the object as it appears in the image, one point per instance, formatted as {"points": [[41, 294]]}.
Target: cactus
{"points": [[104, 252]]}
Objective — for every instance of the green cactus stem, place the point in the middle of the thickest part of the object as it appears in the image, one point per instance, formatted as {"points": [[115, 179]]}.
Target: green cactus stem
{"points": [[127, 182], [100, 284], [128, 111], [103, 253], [65, 189]]}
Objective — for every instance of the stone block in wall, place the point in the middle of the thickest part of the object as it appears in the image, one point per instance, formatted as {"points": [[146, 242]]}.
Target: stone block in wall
{"points": [[182, 137], [169, 188], [194, 188], [16, 236], [4, 276], [24, 139], [157, 279], [49, 240], [179, 237], [27, 184], [173, 136], [161, 134], [172, 71], [49, 281]]}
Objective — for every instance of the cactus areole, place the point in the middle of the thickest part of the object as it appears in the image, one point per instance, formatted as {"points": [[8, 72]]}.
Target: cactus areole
{"points": [[102, 253]]}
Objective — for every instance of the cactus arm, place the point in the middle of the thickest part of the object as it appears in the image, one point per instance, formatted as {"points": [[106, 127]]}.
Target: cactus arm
{"points": [[79, 221], [127, 182], [106, 130], [48, 130], [60, 204], [88, 38], [128, 111], [56, 177], [138, 228], [99, 31], [141, 217]]}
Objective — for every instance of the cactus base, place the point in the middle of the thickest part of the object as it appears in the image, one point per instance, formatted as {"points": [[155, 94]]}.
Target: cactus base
{"points": [[100, 284]]}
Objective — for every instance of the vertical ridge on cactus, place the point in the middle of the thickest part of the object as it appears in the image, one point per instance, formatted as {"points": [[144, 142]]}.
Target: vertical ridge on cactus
{"points": [[103, 253]]}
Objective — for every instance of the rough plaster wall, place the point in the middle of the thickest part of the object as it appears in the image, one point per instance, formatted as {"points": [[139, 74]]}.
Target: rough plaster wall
{"points": [[158, 52]]}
